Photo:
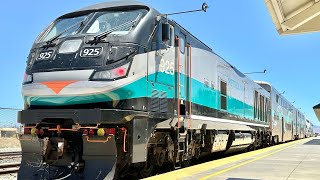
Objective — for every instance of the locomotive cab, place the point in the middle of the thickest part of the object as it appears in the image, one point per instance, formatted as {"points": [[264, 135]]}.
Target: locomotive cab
{"points": [[97, 40], [85, 52]]}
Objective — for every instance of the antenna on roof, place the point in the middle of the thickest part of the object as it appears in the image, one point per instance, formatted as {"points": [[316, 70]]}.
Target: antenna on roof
{"points": [[203, 8], [264, 71], [166, 26]]}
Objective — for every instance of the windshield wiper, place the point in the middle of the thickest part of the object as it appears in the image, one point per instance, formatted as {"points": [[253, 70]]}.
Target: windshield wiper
{"points": [[50, 41], [98, 37]]}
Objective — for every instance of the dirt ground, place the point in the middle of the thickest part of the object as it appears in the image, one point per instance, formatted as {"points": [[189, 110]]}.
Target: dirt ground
{"points": [[9, 142]]}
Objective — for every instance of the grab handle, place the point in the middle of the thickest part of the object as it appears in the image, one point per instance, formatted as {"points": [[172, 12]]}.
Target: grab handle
{"points": [[98, 140]]}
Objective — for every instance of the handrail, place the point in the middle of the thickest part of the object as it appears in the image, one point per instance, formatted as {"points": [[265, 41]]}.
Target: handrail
{"points": [[178, 77], [190, 88], [124, 139]]}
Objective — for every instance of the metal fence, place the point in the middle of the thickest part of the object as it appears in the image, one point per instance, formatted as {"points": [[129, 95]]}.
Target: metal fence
{"points": [[8, 117]]}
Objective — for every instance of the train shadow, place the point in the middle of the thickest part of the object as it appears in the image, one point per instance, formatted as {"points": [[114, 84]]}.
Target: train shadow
{"points": [[313, 142]]}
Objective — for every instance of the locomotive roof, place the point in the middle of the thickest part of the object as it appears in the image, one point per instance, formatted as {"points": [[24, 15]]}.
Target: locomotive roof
{"points": [[110, 4], [125, 4]]}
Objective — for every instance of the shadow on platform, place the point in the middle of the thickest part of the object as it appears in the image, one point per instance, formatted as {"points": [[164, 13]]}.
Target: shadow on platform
{"points": [[313, 142], [240, 179]]}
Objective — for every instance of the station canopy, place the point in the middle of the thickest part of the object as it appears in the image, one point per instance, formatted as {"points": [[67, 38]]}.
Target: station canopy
{"points": [[316, 109], [295, 16]]}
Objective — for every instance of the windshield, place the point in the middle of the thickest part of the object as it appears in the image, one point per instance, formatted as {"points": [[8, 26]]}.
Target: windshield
{"points": [[61, 25], [105, 21]]}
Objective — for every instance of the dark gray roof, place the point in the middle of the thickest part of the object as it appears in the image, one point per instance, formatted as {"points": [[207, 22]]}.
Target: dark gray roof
{"points": [[110, 4], [113, 4]]}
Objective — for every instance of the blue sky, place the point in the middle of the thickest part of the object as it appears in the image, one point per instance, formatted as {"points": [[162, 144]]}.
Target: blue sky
{"points": [[241, 32]]}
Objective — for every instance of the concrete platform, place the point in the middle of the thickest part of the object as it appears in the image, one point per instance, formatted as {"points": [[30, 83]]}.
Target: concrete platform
{"points": [[296, 160]]}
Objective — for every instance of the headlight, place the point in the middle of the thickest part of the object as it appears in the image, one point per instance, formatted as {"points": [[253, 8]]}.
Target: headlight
{"points": [[27, 78], [70, 46], [112, 73]]}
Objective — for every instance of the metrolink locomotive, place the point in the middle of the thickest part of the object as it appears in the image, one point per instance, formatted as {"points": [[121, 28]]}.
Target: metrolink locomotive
{"points": [[117, 88]]}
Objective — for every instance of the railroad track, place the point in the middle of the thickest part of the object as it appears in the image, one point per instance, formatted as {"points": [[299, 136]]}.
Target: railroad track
{"points": [[9, 168], [10, 155], [14, 153], [6, 168]]}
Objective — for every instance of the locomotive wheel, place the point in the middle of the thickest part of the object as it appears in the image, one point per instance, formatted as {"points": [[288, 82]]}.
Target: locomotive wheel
{"points": [[186, 163], [160, 158], [197, 153], [147, 170]]}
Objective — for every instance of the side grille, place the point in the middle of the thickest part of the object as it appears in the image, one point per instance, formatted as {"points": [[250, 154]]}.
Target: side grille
{"points": [[154, 106], [159, 101], [163, 102]]}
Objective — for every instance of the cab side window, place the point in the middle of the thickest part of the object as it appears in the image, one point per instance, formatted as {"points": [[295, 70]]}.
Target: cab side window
{"points": [[182, 43]]}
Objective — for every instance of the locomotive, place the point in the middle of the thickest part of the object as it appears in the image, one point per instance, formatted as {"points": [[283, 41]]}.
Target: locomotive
{"points": [[117, 87]]}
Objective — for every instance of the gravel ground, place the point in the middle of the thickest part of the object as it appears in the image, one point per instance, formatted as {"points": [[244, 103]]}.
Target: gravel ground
{"points": [[12, 159], [9, 145], [9, 142], [10, 149], [11, 176]]}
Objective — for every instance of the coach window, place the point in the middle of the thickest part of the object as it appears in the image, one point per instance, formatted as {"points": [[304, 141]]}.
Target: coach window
{"points": [[223, 95], [255, 105], [267, 110], [261, 108], [264, 109], [280, 101]]}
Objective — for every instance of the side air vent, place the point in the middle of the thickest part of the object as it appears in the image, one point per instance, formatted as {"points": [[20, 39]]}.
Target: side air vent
{"points": [[163, 102], [159, 101], [154, 106]]}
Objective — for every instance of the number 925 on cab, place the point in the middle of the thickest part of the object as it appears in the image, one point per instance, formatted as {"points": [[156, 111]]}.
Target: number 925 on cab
{"points": [[45, 55], [91, 52]]}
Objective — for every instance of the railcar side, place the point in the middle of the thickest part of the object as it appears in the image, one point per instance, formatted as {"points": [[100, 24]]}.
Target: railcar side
{"points": [[287, 121]]}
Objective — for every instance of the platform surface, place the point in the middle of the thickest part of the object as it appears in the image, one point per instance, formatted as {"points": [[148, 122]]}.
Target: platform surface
{"points": [[296, 160]]}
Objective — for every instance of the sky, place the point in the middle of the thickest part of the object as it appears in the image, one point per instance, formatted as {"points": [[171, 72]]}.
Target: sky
{"points": [[242, 32]]}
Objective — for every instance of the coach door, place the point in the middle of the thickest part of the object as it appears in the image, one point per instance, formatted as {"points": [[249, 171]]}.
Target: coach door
{"points": [[282, 129]]}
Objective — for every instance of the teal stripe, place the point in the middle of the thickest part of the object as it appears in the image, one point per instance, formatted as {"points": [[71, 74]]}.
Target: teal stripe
{"points": [[201, 94], [136, 89], [240, 108]]}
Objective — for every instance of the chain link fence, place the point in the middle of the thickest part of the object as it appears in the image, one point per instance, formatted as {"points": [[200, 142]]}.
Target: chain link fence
{"points": [[8, 117]]}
